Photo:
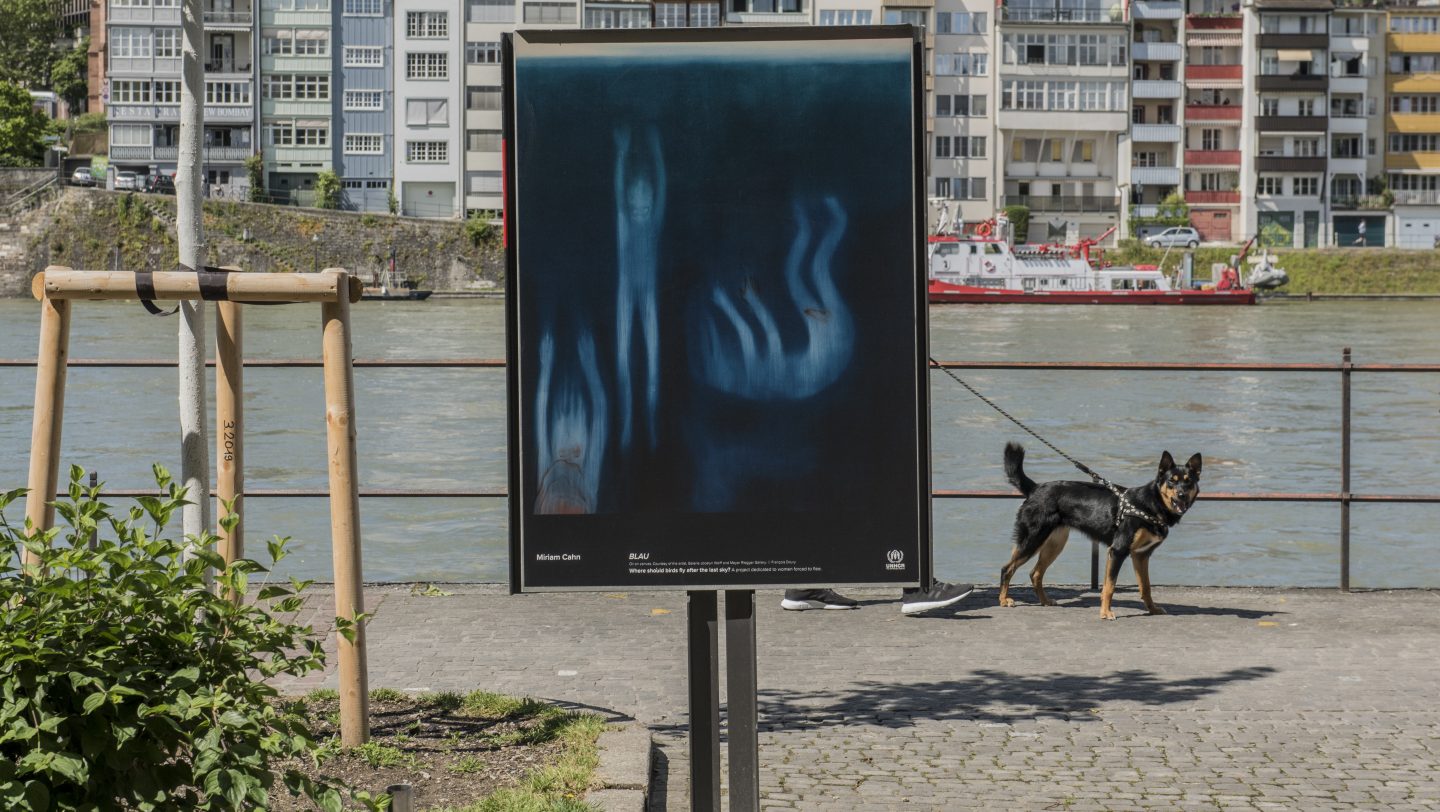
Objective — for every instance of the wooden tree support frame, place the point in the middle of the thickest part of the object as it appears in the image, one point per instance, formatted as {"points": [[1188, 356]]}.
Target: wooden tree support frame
{"points": [[334, 290]]}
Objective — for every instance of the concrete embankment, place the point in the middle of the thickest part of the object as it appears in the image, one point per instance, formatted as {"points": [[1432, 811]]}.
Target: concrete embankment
{"points": [[92, 229]]}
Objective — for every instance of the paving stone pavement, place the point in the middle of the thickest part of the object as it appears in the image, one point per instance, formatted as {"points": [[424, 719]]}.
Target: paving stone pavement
{"points": [[1263, 699]]}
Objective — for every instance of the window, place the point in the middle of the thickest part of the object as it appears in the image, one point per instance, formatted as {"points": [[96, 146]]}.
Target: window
{"points": [[942, 106], [312, 43], [482, 53], [1420, 142], [167, 43], [1216, 182], [220, 93], [1307, 147], [364, 8], [280, 134], [1084, 152], [364, 100], [1269, 185], [167, 91], [977, 188], [427, 112], [844, 16], [127, 43], [294, 42], [490, 11], [1306, 107], [1269, 107], [482, 98], [482, 140], [295, 86], [1210, 139], [600, 17], [482, 183], [364, 144], [1145, 159], [942, 146], [942, 187], [562, 13], [130, 135], [427, 24], [427, 65], [1306, 187], [130, 91], [313, 136], [364, 56], [426, 152], [296, 134], [905, 16]]}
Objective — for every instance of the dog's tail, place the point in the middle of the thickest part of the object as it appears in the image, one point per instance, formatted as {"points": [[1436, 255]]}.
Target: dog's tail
{"points": [[1015, 468]]}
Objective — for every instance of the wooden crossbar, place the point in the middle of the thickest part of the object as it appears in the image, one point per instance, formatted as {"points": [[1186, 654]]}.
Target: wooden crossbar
{"points": [[64, 283]]}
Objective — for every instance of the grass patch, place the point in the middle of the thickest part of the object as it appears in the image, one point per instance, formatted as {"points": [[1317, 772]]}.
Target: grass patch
{"points": [[498, 706], [444, 701], [388, 695], [1327, 270], [560, 786], [321, 695]]}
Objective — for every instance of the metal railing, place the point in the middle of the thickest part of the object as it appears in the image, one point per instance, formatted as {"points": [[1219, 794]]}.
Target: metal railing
{"points": [[1343, 497]]}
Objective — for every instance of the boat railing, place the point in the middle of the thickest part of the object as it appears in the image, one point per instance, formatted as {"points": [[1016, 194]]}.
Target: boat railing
{"points": [[1345, 369]]}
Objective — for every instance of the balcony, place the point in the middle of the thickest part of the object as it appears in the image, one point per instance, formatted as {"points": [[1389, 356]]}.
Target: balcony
{"points": [[1157, 10], [1214, 22], [1358, 202], [1413, 123], [1292, 82], [1412, 160], [1155, 89], [1155, 175], [1069, 16], [767, 18], [213, 154], [169, 15], [1196, 198], [1155, 133], [1417, 197], [1348, 84], [1290, 124], [1227, 74], [167, 153], [239, 20], [1289, 163], [227, 66], [1348, 165], [1213, 114], [1319, 41], [1064, 203], [1349, 124], [1212, 157], [1158, 51], [130, 153]]}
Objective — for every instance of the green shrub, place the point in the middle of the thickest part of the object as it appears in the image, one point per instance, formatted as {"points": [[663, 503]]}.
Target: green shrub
{"points": [[127, 683], [255, 173], [327, 190], [1019, 217]]}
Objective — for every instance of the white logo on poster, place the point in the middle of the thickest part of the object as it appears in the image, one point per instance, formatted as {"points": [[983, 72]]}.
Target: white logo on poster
{"points": [[895, 560]]}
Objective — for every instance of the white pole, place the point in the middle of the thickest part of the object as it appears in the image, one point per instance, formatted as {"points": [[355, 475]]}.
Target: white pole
{"points": [[194, 441]]}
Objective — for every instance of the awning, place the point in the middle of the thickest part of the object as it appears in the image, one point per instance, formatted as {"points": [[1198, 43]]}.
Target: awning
{"points": [[1287, 55], [1214, 84]]}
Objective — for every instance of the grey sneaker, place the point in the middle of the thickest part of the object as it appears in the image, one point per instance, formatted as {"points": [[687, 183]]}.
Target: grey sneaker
{"points": [[798, 600], [938, 596]]}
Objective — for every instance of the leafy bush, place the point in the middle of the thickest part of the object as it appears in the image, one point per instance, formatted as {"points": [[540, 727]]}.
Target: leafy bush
{"points": [[480, 228], [327, 190], [255, 173], [126, 682], [1019, 217]]}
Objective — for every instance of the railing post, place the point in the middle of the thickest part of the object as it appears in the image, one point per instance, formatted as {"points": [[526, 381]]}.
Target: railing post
{"points": [[230, 425], [50, 363], [1345, 365]]}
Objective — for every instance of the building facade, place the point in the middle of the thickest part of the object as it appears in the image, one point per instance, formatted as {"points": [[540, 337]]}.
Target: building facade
{"points": [[429, 44], [363, 104]]}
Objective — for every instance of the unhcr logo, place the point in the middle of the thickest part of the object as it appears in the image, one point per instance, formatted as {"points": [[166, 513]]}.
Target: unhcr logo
{"points": [[895, 560]]}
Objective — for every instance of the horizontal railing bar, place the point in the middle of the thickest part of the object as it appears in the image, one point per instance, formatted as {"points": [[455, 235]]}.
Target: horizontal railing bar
{"points": [[501, 493], [1082, 366]]}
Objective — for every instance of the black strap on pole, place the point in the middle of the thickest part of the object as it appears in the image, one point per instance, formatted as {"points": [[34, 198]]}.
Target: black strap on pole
{"points": [[213, 288]]}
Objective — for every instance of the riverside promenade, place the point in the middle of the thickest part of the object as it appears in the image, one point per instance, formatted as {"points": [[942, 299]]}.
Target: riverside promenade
{"points": [[1265, 699]]}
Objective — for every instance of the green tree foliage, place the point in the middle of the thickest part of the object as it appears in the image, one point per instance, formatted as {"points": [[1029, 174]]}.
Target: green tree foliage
{"points": [[21, 127], [479, 229], [69, 74], [327, 190], [1019, 217], [255, 172], [127, 683], [1172, 211], [27, 41]]}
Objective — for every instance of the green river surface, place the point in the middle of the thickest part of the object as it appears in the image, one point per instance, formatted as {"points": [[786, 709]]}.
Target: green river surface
{"points": [[445, 428]]}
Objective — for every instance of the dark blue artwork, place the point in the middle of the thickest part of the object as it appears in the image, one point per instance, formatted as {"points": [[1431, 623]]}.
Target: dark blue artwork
{"points": [[715, 291]]}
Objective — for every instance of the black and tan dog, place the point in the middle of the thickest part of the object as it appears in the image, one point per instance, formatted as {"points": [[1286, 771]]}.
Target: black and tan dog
{"points": [[1132, 527]]}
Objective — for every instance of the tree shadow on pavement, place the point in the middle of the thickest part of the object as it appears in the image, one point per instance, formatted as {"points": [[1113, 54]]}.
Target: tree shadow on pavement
{"points": [[988, 696], [1125, 598]]}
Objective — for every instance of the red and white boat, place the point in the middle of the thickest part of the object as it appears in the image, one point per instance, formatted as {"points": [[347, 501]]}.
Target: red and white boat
{"points": [[985, 269]]}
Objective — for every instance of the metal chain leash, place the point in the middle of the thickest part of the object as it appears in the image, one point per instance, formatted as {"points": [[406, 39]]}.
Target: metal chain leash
{"points": [[1126, 509]]}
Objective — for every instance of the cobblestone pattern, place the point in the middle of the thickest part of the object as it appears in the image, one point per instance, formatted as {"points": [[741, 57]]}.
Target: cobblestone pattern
{"points": [[1239, 699]]}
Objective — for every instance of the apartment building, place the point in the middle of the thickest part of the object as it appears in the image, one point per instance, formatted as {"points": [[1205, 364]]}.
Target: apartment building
{"points": [[297, 108], [142, 100], [1358, 212], [1412, 121], [365, 91], [1157, 108], [1064, 113], [429, 46], [963, 157], [1213, 41]]}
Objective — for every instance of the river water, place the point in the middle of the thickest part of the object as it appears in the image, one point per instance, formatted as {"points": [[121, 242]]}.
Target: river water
{"points": [[436, 428]]}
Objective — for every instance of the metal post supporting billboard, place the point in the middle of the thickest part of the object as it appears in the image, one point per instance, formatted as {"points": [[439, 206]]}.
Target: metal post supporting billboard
{"points": [[703, 637], [742, 726], [742, 729]]}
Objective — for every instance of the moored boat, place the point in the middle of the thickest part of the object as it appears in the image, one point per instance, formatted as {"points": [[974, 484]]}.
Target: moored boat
{"points": [[984, 268]]}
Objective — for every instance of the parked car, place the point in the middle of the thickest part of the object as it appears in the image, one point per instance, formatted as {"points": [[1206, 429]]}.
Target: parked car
{"points": [[159, 184], [82, 177], [126, 180], [1180, 236]]}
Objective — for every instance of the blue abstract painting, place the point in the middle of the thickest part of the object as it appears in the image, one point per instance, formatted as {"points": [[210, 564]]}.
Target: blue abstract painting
{"points": [[716, 312]]}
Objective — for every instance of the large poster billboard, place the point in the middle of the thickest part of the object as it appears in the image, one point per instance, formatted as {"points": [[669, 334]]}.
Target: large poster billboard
{"points": [[717, 337]]}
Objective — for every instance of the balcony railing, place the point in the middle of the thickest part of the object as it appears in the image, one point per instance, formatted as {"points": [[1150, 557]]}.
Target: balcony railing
{"points": [[228, 18], [1155, 89], [1205, 113], [1198, 198], [1358, 202], [1157, 10], [1293, 81], [1212, 157], [1060, 15], [1162, 133], [167, 153], [1063, 203], [1417, 197], [1291, 124], [1214, 22], [1155, 175], [1294, 40], [1215, 72], [1158, 51], [1290, 163]]}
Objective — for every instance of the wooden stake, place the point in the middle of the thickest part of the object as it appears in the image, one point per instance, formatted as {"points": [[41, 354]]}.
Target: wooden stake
{"points": [[50, 369], [230, 424], [345, 513], [64, 283]]}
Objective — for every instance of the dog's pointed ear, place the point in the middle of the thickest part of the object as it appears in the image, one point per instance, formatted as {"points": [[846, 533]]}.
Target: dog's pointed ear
{"points": [[1194, 464], [1166, 462]]}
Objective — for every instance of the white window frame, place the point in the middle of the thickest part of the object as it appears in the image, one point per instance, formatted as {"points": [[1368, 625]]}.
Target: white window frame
{"points": [[356, 99], [427, 152], [364, 8], [425, 66], [427, 24], [364, 143], [427, 112], [364, 56]]}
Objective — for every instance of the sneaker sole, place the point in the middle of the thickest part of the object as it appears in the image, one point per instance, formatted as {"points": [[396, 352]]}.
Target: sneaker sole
{"points": [[801, 606], [930, 606]]}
